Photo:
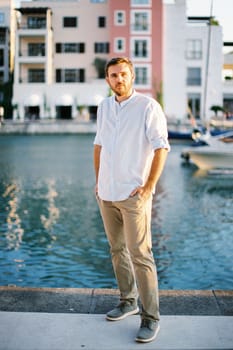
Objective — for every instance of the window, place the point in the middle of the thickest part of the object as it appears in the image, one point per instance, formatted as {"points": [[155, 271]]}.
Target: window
{"points": [[140, 21], [194, 103], [2, 18], [140, 2], [97, 1], [36, 49], [1, 57], [2, 36], [1, 77], [194, 49], [70, 22], [140, 48], [119, 18], [119, 45], [70, 47], [35, 22], [141, 76], [101, 47], [228, 104], [101, 22], [36, 75], [70, 75], [194, 76]]}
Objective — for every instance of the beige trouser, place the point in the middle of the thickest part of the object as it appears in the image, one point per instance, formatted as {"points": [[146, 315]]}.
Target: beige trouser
{"points": [[127, 225]]}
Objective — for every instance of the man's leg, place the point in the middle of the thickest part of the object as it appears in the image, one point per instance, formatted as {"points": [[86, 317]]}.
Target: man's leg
{"points": [[136, 214], [121, 261]]}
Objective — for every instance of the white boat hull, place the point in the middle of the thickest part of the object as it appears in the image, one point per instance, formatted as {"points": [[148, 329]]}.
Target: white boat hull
{"points": [[208, 158]]}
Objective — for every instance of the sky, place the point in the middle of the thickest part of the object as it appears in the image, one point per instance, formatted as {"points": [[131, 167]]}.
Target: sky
{"points": [[222, 10]]}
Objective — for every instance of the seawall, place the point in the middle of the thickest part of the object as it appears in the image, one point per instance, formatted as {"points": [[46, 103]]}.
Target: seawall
{"points": [[9, 127], [99, 301]]}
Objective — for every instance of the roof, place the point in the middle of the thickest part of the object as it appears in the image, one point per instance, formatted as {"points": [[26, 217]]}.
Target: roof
{"points": [[200, 18], [31, 10], [228, 43]]}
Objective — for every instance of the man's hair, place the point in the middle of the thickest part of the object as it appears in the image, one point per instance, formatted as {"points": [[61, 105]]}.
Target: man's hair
{"points": [[118, 60]]}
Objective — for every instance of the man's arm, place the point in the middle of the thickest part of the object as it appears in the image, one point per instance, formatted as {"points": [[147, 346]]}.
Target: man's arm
{"points": [[160, 156], [97, 150]]}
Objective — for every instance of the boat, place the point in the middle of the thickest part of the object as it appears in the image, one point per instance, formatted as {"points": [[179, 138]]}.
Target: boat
{"points": [[179, 135], [188, 134], [215, 152]]}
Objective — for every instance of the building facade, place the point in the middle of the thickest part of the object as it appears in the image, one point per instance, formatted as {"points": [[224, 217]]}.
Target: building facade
{"points": [[7, 29], [55, 74], [228, 80], [61, 48]]}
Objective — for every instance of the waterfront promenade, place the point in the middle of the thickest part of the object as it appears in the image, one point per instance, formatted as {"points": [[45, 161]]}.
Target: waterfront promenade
{"points": [[47, 126], [67, 319]]}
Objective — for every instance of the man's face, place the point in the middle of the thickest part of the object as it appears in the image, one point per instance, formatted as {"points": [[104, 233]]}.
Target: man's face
{"points": [[120, 79]]}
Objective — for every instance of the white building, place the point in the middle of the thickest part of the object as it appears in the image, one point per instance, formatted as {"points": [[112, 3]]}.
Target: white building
{"points": [[228, 80], [6, 52], [193, 63]]}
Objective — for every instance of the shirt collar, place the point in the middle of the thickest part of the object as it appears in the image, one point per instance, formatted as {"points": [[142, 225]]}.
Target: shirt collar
{"points": [[123, 103]]}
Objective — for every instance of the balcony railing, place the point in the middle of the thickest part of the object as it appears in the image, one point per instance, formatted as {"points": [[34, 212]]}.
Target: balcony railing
{"points": [[39, 52], [32, 80], [36, 25]]}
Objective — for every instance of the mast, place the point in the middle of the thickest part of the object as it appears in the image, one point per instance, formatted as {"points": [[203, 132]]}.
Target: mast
{"points": [[207, 65]]}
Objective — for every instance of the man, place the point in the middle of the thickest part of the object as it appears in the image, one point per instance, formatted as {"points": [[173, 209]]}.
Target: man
{"points": [[130, 150]]}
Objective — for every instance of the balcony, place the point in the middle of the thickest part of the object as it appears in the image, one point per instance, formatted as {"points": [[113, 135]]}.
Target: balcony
{"points": [[33, 25], [25, 57], [33, 76], [34, 50], [34, 20]]}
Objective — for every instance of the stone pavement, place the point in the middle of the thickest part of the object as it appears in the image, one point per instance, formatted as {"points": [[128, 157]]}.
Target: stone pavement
{"points": [[46, 331], [67, 319]]}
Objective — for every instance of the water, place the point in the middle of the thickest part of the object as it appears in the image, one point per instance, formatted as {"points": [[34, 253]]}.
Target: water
{"points": [[51, 233]]}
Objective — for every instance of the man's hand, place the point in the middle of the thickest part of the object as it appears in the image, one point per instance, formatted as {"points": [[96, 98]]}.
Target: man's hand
{"points": [[96, 189], [143, 191]]}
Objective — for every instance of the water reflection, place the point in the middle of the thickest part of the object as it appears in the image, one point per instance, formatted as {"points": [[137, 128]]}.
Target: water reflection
{"points": [[192, 227], [14, 231], [51, 233], [53, 211]]}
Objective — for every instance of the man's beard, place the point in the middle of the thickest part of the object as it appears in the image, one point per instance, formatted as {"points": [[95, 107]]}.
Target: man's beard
{"points": [[120, 92]]}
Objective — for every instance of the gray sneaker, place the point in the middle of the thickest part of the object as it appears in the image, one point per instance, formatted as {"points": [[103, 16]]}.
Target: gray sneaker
{"points": [[147, 331], [122, 310]]}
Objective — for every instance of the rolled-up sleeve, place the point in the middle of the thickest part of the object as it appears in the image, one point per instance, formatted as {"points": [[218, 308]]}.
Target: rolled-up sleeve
{"points": [[156, 127]]}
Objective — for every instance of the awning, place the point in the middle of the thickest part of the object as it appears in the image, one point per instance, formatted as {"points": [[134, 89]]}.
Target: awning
{"points": [[64, 100], [33, 100]]}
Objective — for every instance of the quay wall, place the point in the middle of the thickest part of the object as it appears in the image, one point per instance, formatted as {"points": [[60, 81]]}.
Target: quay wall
{"points": [[99, 301], [46, 127]]}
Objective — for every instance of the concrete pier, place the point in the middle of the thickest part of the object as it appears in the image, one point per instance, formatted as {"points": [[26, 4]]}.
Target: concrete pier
{"points": [[73, 318]]}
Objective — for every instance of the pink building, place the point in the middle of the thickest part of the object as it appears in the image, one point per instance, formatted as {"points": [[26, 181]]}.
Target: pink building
{"points": [[136, 31]]}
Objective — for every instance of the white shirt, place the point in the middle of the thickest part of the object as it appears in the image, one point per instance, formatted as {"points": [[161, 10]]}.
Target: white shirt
{"points": [[128, 132]]}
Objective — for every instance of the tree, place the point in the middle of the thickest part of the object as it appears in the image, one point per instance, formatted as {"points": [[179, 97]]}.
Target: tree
{"points": [[99, 64], [216, 109]]}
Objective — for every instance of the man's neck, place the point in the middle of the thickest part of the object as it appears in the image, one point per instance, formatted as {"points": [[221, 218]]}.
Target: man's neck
{"points": [[120, 99]]}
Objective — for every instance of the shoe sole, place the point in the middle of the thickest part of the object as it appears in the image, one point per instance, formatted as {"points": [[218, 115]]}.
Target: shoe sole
{"points": [[134, 312], [141, 340]]}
